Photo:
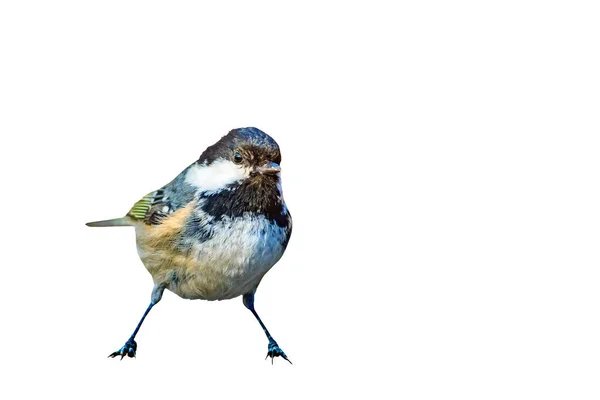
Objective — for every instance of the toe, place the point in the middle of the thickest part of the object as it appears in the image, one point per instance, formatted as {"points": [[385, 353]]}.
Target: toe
{"points": [[114, 354], [128, 350], [286, 359], [275, 351]]}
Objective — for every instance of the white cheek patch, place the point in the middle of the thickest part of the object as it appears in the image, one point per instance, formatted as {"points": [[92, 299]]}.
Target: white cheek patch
{"points": [[215, 176]]}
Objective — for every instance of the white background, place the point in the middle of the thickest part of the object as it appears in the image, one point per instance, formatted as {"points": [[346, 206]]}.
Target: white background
{"points": [[440, 161]]}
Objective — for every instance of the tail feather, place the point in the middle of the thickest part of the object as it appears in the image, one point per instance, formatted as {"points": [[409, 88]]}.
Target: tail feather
{"points": [[111, 222]]}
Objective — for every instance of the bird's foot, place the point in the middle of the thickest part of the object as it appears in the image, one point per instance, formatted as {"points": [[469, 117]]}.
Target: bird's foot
{"points": [[127, 350], [275, 351]]}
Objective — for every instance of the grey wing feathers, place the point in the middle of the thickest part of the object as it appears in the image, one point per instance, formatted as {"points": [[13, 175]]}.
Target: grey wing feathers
{"points": [[156, 205]]}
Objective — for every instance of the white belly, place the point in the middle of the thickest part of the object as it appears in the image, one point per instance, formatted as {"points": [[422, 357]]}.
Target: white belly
{"points": [[232, 262]]}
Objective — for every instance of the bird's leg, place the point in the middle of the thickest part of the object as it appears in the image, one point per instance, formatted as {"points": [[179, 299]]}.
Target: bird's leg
{"points": [[274, 349], [131, 346]]}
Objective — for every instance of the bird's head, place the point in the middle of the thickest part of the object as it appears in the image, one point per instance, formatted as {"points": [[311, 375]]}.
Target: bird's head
{"points": [[244, 155]]}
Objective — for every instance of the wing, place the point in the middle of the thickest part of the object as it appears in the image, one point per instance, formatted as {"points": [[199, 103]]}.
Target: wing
{"points": [[154, 207], [151, 209]]}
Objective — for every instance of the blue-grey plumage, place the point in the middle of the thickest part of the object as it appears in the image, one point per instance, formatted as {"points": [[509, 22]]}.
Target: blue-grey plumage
{"points": [[217, 228]]}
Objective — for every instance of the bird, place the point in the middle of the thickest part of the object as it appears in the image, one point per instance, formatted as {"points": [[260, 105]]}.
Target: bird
{"points": [[215, 230]]}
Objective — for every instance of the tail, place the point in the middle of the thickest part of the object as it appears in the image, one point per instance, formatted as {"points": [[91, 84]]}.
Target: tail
{"points": [[125, 221]]}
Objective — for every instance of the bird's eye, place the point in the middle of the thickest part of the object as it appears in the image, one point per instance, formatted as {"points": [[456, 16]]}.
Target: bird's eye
{"points": [[237, 158]]}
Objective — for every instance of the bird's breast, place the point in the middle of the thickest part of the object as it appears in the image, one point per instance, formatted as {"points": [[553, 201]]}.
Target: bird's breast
{"points": [[216, 259]]}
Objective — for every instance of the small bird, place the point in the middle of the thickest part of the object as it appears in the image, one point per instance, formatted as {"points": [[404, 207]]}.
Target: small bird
{"points": [[216, 229]]}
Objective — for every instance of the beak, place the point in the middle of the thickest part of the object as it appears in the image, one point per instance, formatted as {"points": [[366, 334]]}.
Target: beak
{"points": [[270, 168]]}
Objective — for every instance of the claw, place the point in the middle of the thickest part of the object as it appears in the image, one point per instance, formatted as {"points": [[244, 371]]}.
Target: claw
{"points": [[127, 350], [275, 351]]}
